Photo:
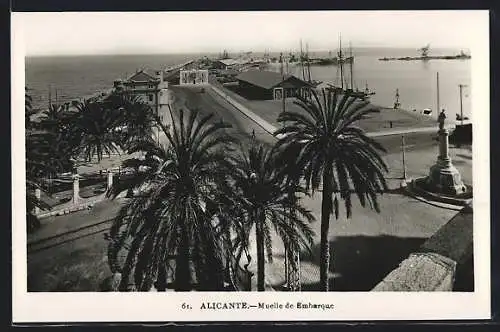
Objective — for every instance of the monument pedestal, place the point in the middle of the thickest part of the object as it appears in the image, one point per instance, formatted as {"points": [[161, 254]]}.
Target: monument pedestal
{"points": [[443, 176]]}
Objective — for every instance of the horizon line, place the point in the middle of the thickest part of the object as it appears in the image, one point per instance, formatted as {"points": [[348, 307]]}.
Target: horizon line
{"points": [[132, 53]]}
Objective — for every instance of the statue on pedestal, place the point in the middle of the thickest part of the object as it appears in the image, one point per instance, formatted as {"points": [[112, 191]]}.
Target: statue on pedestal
{"points": [[441, 118], [443, 176]]}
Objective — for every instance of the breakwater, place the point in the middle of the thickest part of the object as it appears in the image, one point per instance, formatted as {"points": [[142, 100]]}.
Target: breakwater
{"points": [[426, 58]]}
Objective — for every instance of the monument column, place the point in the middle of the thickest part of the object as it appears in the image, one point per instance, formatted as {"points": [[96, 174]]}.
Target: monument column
{"points": [[444, 147], [443, 176]]}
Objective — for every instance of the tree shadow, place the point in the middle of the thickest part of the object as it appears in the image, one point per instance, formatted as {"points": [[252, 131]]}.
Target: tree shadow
{"points": [[361, 262]]}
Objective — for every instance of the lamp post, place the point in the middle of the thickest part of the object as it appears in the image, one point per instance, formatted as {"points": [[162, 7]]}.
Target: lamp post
{"points": [[283, 91], [403, 151], [437, 89], [461, 86]]}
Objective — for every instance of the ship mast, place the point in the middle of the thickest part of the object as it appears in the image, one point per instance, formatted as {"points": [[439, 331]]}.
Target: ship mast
{"points": [[50, 96], [350, 66], [437, 89], [302, 61], [341, 64], [308, 64], [283, 96]]}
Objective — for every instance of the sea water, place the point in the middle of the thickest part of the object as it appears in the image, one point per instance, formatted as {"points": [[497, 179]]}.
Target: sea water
{"points": [[78, 76]]}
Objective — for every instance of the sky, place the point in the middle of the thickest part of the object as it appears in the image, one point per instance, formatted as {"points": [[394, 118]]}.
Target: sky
{"points": [[75, 33]]}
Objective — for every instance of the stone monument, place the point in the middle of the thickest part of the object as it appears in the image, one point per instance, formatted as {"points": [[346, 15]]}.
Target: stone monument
{"points": [[443, 177]]}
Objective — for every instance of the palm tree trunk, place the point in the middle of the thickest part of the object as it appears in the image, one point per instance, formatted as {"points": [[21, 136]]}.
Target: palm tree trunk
{"points": [[161, 282], [326, 208], [182, 265], [259, 237], [99, 154]]}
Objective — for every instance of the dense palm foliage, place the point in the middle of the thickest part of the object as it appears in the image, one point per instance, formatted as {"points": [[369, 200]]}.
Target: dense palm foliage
{"points": [[332, 151], [268, 203], [56, 126], [36, 165], [172, 221], [95, 129], [61, 134], [135, 115]]}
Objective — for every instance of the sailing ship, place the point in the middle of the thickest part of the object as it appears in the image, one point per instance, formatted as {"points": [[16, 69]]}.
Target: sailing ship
{"points": [[362, 94], [305, 65], [224, 55], [335, 61]]}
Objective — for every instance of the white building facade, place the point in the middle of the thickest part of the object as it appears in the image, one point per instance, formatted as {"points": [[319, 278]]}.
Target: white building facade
{"points": [[193, 77]]}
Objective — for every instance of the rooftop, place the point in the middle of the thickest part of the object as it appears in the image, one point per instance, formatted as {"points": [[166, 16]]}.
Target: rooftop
{"points": [[143, 75], [265, 79]]}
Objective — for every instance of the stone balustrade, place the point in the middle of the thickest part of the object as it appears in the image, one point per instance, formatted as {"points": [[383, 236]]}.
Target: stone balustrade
{"points": [[442, 263], [76, 203]]}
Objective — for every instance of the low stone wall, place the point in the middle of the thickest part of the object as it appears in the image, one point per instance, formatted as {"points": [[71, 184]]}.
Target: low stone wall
{"points": [[441, 263], [77, 202]]}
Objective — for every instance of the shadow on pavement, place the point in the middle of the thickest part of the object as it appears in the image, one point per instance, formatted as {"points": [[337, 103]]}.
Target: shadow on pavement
{"points": [[361, 262]]}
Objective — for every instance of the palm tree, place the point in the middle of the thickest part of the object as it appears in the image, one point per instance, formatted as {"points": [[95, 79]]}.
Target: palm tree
{"points": [[180, 187], [266, 203], [36, 165], [332, 150], [28, 109], [137, 116], [95, 129], [56, 126]]}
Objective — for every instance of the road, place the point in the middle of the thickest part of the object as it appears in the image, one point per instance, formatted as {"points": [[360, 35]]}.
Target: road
{"points": [[209, 102]]}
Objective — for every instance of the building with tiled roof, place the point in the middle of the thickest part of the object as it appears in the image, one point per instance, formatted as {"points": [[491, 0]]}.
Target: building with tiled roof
{"points": [[146, 84], [260, 84]]}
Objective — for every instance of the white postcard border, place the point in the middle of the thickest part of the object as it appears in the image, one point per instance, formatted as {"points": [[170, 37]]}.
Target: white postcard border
{"points": [[114, 307]]}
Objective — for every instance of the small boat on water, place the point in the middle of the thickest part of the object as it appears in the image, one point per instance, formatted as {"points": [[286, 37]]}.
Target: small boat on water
{"points": [[426, 111]]}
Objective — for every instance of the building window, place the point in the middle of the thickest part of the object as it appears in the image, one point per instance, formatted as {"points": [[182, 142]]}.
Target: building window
{"points": [[150, 97]]}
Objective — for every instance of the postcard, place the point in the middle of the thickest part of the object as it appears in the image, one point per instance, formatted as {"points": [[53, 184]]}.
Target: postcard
{"points": [[254, 166]]}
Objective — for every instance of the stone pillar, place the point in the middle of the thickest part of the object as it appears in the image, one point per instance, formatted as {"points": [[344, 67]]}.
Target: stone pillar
{"points": [[76, 188], [443, 177], [443, 144], [38, 194], [110, 179]]}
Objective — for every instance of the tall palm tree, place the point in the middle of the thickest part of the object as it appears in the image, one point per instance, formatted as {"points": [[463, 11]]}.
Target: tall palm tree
{"points": [[180, 185], [95, 129], [266, 204], [330, 148]]}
